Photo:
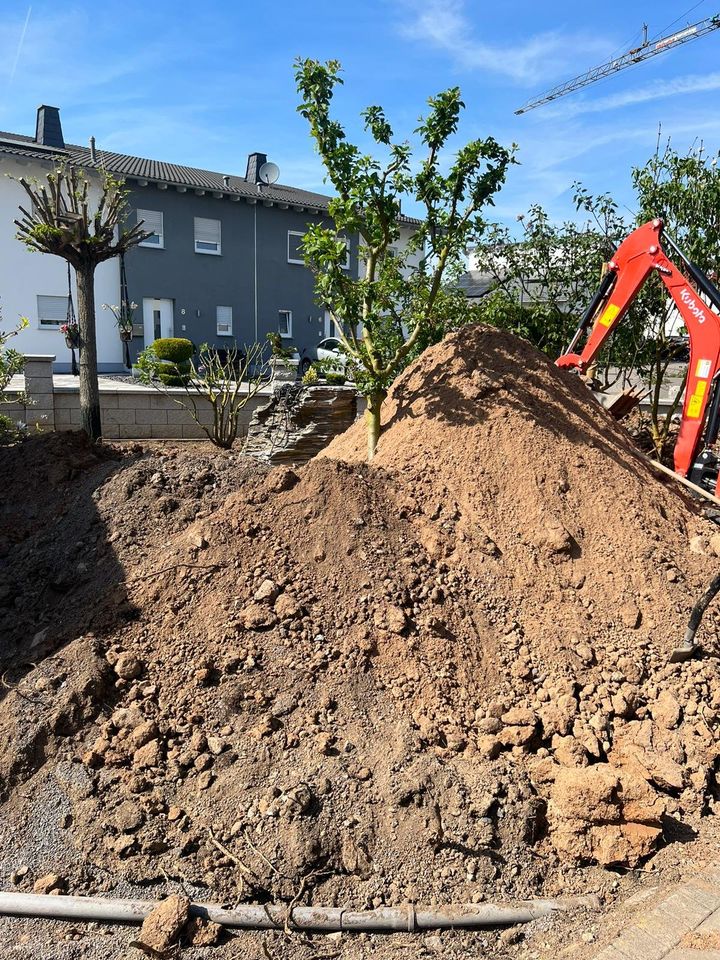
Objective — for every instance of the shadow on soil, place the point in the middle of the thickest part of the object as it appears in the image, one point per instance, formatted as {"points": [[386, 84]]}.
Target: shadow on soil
{"points": [[61, 589], [59, 576]]}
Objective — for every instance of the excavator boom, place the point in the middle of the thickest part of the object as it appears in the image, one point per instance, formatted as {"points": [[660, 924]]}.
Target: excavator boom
{"points": [[637, 257]]}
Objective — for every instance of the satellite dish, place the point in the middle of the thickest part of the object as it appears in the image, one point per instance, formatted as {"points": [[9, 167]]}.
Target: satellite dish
{"points": [[268, 173]]}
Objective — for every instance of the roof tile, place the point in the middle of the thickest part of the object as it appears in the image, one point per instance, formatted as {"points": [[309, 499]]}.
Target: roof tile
{"points": [[171, 173]]}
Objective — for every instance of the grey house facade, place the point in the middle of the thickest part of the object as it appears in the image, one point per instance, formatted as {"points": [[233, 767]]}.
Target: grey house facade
{"points": [[224, 267]]}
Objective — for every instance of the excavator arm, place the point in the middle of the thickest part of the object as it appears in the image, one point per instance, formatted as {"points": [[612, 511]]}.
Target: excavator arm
{"points": [[638, 256]]}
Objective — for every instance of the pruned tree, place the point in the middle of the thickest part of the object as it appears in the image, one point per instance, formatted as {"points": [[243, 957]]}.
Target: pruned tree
{"points": [[225, 381], [63, 220], [381, 315]]}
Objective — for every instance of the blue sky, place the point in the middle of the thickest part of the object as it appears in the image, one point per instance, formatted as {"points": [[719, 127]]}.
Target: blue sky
{"points": [[206, 83]]}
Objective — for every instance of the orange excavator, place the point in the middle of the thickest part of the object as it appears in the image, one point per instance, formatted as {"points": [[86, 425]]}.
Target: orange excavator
{"points": [[638, 256]]}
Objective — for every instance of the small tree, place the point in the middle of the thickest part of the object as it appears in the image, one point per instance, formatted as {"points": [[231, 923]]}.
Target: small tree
{"points": [[226, 381], [63, 222], [368, 203], [12, 362], [684, 190], [542, 281]]}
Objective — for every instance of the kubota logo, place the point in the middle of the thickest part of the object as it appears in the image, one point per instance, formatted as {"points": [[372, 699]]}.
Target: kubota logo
{"points": [[688, 299]]}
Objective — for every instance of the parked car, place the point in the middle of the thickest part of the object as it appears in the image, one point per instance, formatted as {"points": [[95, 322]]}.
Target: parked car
{"points": [[677, 349], [328, 349]]}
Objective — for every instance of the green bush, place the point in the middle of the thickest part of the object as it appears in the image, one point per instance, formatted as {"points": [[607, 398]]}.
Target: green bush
{"points": [[174, 374], [310, 377], [335, 379], [176, 349], [10, 431]]}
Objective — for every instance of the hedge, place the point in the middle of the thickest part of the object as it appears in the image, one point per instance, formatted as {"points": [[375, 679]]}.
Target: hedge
{"points": [[175, 349]]}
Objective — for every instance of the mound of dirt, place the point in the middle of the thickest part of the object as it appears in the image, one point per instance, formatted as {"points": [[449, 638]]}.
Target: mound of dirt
{"points": [[76, 519], [442, 676]]}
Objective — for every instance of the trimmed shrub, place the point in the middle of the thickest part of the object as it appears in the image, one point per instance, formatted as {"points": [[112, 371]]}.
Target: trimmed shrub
{"points": [[175, 374], [336, 379], [176, 349]]}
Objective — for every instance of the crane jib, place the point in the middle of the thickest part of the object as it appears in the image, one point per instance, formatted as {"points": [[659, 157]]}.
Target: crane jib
{"points": [[647, 50]]}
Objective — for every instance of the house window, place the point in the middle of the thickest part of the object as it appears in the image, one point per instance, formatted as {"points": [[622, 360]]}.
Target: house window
{"points": [[153, 223], [285, 323], [207, 235], [346, 265], [294, 253], [52, 311], [223, 317]]}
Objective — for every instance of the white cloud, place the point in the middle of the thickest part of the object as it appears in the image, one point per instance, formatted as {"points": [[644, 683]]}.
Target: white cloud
{"points": [[444, 25]]}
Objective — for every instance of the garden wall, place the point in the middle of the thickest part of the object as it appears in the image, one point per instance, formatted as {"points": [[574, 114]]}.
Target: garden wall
{"points": [[129, 411]]}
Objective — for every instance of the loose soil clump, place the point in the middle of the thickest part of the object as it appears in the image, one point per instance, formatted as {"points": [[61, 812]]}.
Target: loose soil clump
{"points": [[439, 677]]}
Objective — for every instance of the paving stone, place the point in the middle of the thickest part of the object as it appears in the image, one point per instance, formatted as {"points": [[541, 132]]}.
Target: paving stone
{"points": [[660, 929], [684, 953], [704, 891], [610, 953], [686, 909], [637, 943], [695, 906]]}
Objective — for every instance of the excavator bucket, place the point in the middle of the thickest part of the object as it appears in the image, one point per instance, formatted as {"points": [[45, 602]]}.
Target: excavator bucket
{"points": [[688, 647]]}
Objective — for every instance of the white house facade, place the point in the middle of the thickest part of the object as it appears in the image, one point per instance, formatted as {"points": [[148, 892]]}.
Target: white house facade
{"points": [[35, 285]]}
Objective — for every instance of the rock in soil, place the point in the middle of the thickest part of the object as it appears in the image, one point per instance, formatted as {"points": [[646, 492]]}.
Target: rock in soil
{"points": [[162, 927]]}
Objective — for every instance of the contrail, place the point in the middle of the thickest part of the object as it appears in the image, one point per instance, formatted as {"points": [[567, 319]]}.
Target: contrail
{"points": [[20, 46]]}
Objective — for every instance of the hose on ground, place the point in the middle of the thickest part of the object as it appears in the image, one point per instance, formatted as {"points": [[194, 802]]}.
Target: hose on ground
{"points": [[408, 917]]}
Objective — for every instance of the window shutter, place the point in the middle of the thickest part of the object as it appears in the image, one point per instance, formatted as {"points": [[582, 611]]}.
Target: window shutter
{"points": [[52, 309], [224, 321], [207, 231], [153, 224]]}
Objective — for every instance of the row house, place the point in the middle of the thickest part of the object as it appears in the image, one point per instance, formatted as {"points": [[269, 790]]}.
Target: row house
{"points": [[223, 264]]}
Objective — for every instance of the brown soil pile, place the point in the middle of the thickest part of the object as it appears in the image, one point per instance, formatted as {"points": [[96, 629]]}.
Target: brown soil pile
{"points": [[443, 676]]}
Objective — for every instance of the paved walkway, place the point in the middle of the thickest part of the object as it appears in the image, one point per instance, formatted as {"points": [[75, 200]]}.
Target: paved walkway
{"points": [[685, 926], [66, 382]]}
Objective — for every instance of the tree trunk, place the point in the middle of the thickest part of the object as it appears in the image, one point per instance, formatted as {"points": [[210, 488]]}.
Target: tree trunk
{"points": [[89, 391], [372, 418]]}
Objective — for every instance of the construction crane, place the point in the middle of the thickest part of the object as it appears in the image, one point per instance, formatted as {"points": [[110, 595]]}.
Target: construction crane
{"points": [[645, 51]]}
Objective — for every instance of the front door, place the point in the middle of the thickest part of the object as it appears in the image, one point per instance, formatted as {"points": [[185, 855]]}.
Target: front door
{"points": [[157, 319]]}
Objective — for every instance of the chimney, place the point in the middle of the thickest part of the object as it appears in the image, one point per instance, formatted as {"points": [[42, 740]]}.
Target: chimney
{"points": [[226, 181], [48, 129], [255, 161], [93, 151]]}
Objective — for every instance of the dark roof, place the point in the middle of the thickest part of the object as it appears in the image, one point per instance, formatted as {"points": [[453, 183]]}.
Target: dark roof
{"points": [[20, 146], [172, 174], [474, 284]]}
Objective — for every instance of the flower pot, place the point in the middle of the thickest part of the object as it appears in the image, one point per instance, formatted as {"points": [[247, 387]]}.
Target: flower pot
{"points": [[283, 370], [126, 335], [72, 343]]}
